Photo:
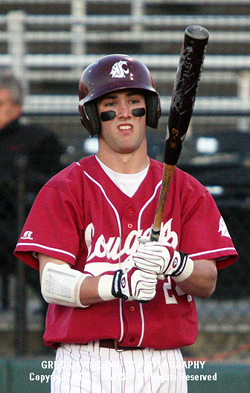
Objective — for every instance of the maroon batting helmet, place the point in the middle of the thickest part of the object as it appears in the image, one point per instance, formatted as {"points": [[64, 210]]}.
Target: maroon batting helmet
{"points": [[111, 73]]}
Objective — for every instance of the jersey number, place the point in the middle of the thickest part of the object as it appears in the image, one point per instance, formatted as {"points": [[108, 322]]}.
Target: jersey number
{"points": [[168, 292]]}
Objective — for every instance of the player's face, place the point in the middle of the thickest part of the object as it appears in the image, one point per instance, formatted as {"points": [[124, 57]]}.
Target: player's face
{"points": [[9, 111], [124, 121]]}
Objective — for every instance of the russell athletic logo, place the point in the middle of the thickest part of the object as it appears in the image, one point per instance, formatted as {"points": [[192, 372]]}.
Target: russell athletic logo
{"points": [[28, 235], [119, 69]]}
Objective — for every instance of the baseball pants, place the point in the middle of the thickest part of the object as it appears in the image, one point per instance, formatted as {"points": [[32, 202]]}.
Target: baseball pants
{"points": [[91, 369]]}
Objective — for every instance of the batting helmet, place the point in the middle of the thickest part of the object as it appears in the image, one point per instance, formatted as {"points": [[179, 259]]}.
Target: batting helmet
{"points": [[111, 73]]}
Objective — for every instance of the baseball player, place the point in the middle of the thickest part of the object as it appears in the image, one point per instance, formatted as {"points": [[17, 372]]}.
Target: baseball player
{"points": [[120, 306]]}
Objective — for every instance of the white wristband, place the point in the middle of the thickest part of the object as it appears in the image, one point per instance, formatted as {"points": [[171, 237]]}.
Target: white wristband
{"points": [[105, 287], [187, 271]]}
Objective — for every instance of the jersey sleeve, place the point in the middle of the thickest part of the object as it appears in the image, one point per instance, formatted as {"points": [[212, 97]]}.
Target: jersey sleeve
{"points": [[204, 232], [54, 224]]}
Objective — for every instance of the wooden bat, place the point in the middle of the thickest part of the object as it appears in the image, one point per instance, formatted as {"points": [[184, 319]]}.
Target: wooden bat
{"points": [[183, 98]]}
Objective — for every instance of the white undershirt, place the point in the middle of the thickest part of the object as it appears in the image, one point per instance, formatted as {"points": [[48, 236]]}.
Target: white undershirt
{"points": [[127, 183]]}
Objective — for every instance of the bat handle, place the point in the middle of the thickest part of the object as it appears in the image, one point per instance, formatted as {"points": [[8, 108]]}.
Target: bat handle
{"points": [[155, 233], [168, 171]]}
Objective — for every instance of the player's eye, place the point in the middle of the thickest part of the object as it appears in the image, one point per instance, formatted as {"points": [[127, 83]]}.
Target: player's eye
{"points": [[134, 101], [109, 104]]}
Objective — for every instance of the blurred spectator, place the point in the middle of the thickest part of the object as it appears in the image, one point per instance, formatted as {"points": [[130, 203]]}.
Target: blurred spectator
{"points": [[39, 148]]}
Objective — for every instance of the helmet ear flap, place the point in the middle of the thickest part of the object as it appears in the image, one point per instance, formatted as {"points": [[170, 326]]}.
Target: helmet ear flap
{"points": [[153, 110], [91, 114]]}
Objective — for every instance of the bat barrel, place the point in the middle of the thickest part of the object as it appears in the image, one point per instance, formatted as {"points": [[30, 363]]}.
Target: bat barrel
{"points": [[183, 98], [185, 89]]}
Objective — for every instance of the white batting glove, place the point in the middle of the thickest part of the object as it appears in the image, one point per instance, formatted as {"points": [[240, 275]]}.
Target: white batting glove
{"points": [[162, 259], [133, 285]]}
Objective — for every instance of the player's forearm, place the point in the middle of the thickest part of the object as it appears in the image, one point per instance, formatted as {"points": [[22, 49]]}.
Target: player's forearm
{"points": [[202, 281], [89, 291]]}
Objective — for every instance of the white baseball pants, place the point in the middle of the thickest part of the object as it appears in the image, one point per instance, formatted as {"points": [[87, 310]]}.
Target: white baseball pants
{"points": [[91, 369]]}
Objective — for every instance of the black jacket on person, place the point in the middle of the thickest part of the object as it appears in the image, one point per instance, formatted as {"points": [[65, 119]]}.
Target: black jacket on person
{"points": [[40, 150], [41, 147]]}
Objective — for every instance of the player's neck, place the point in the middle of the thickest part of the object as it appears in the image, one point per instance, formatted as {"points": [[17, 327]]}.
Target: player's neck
{"points": [[125, 163]]}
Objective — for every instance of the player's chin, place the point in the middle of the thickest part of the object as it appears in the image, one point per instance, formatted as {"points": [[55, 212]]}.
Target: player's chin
{"points": [[126, 148], [131, 145]]}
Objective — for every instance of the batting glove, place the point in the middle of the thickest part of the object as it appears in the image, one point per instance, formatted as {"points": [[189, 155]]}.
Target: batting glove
{"points": [[133, 285], [163, 259]]}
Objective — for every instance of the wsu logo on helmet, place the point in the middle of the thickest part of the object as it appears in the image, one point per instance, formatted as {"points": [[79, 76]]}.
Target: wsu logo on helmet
{"points": [[118, 70]]}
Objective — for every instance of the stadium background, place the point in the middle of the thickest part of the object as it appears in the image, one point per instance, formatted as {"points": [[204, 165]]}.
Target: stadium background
{"points": [[47, 43]]}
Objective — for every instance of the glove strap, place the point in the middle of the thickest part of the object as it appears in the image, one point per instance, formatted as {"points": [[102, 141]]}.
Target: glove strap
{"points": [[118, 284], [185, 268]]}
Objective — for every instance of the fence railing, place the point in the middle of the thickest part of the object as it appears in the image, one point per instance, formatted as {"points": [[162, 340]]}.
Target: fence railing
{"points": [[19, 31]]}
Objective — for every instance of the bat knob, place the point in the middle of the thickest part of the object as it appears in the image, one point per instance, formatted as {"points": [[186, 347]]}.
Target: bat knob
{"points": [[197, 32]]}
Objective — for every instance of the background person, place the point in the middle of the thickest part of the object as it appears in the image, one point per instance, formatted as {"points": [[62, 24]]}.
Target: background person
{"points": [[40, 149]]}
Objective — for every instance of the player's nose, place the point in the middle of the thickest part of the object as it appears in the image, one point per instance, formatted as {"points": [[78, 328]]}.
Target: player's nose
{"points": [[124, 110]]}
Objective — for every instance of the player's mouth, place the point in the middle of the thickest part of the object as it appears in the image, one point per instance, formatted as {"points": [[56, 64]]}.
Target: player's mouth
{"points": [[125, 127]]}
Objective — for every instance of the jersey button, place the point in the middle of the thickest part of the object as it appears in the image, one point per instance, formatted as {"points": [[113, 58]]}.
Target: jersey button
{"points": [[130, 210], [132, 308], [130, 226], [132, 340]]}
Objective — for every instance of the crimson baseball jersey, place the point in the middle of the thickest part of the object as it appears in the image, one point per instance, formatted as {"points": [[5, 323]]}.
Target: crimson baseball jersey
{"points": [[81, 217]]}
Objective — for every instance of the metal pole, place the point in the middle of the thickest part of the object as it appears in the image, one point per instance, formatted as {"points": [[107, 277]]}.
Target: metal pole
{"points": [[137, 10], [244, 95], [78, 31], [16, 46]]}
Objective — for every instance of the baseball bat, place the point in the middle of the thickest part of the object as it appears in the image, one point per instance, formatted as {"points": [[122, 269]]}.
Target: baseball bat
{"points": [[181, 108]]}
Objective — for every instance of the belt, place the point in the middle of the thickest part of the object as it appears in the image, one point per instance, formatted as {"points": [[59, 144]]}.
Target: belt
{"points": [[109, 343]]}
